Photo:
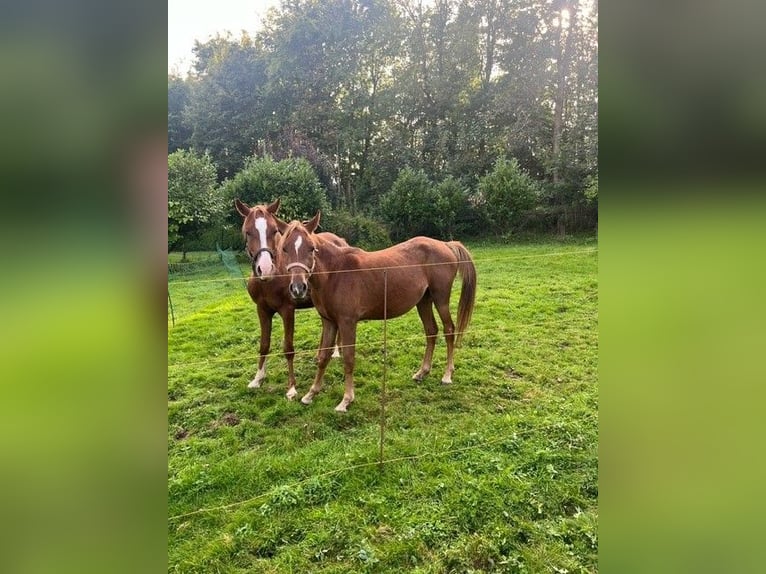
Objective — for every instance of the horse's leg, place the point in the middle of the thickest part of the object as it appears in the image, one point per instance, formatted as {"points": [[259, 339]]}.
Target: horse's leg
{"points": [[426, 312], [329, 332], [265, 315], [348, 341], [442, 307], [336, 350], [288, 320]]}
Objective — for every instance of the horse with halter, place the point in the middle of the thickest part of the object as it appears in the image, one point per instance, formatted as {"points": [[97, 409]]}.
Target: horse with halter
{"points": [[268, 285], [347, 286]]}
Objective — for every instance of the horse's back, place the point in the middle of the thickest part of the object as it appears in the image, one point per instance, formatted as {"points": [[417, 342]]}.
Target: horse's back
{"points": [[329, 237]]}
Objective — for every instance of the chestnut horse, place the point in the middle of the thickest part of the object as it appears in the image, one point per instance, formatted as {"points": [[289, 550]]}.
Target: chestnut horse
{"points": [[268, 284], [346, 286]]}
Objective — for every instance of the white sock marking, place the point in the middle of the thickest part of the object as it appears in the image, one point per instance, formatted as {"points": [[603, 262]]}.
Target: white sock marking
{"points": [[259, 376]]}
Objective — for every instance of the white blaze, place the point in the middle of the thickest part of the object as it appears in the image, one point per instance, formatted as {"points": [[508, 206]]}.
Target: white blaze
{"points": [[264, 257], [298, 243]]}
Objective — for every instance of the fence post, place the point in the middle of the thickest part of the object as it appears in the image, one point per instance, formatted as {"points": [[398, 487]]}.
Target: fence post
{"points": [[385, 368], [172, 312]]}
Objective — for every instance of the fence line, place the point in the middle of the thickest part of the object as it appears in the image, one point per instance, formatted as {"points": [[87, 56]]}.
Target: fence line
{"points": [[385, 367], [489, 259], [515, 435], [381, 342]]}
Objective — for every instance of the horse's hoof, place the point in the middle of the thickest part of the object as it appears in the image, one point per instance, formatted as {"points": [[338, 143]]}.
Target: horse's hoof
{"points": [[291, 394], [307, 400], [341, 408], [254, 384], [446, 381]]}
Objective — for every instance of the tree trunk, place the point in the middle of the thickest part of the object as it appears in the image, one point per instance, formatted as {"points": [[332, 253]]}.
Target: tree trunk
{"points": [[489, 48], [563, 45]]}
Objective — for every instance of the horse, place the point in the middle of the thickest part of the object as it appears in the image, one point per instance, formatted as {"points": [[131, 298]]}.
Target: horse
{"points": [[268, 285], [347, 286]]}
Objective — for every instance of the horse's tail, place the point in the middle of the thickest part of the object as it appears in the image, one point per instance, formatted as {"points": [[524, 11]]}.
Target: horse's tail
{"points": [[467, 271]]}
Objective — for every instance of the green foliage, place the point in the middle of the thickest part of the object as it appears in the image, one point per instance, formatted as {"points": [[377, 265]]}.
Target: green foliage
{"points": [[409, 207], [358, 230], [506, 193], [417, 206], [194, 198], [591, 189], [362, 90], [293, 180], [453, 213], [179, 129], [226, 106], [497, 472]]}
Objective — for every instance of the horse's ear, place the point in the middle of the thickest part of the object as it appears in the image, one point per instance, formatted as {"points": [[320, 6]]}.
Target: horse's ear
{"points": [[313, 223], [242, 207], [272, 209], [281, 225]]}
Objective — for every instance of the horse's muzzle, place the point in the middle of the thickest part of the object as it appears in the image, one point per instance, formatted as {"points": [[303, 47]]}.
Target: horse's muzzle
{"points": [[263, 264], [299, 290], [259, 274]]}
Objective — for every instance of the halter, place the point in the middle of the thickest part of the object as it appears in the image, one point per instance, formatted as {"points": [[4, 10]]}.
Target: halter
{"points": [[302, 266], [298, 263], [261, 250]]}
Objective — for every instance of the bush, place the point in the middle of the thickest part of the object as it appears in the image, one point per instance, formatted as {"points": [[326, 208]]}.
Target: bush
{"points": [[417, 206], [358, 230], [293, 180], [194, 198], [408, 207], [506, 194], [452, 209]]}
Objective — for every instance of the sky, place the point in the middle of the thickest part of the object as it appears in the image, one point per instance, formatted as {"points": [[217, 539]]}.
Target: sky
{"points": [[189, 21]]}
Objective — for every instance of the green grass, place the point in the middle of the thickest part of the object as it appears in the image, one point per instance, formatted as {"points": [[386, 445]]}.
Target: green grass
{"points": [[495, 473]]}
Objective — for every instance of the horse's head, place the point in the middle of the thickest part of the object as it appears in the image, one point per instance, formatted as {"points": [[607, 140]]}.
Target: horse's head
{"points": [[259, 229], [298, 250]]}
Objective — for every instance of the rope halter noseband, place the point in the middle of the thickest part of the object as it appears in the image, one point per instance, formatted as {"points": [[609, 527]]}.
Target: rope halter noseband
{"points": [[254, 257], [302, 266]]}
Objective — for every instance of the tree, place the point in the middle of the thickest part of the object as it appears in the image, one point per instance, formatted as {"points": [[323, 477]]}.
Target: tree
{"points": [[362, 89], [194, 198], [292, 180], [329, 73], [591, 189], [226, 108], [179, 131]]}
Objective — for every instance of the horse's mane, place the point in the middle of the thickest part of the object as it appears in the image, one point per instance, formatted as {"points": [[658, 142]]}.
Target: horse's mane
{"points": [[320, 238]]}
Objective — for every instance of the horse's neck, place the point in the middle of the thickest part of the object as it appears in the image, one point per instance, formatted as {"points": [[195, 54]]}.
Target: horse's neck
{"points": [[330, 256]]}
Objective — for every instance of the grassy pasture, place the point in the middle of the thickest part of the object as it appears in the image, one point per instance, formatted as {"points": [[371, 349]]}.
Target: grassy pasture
{"points": [[495, 473]]}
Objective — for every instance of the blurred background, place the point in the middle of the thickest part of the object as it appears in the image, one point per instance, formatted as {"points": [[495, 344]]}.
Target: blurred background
{"points": [[82, 228]]}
